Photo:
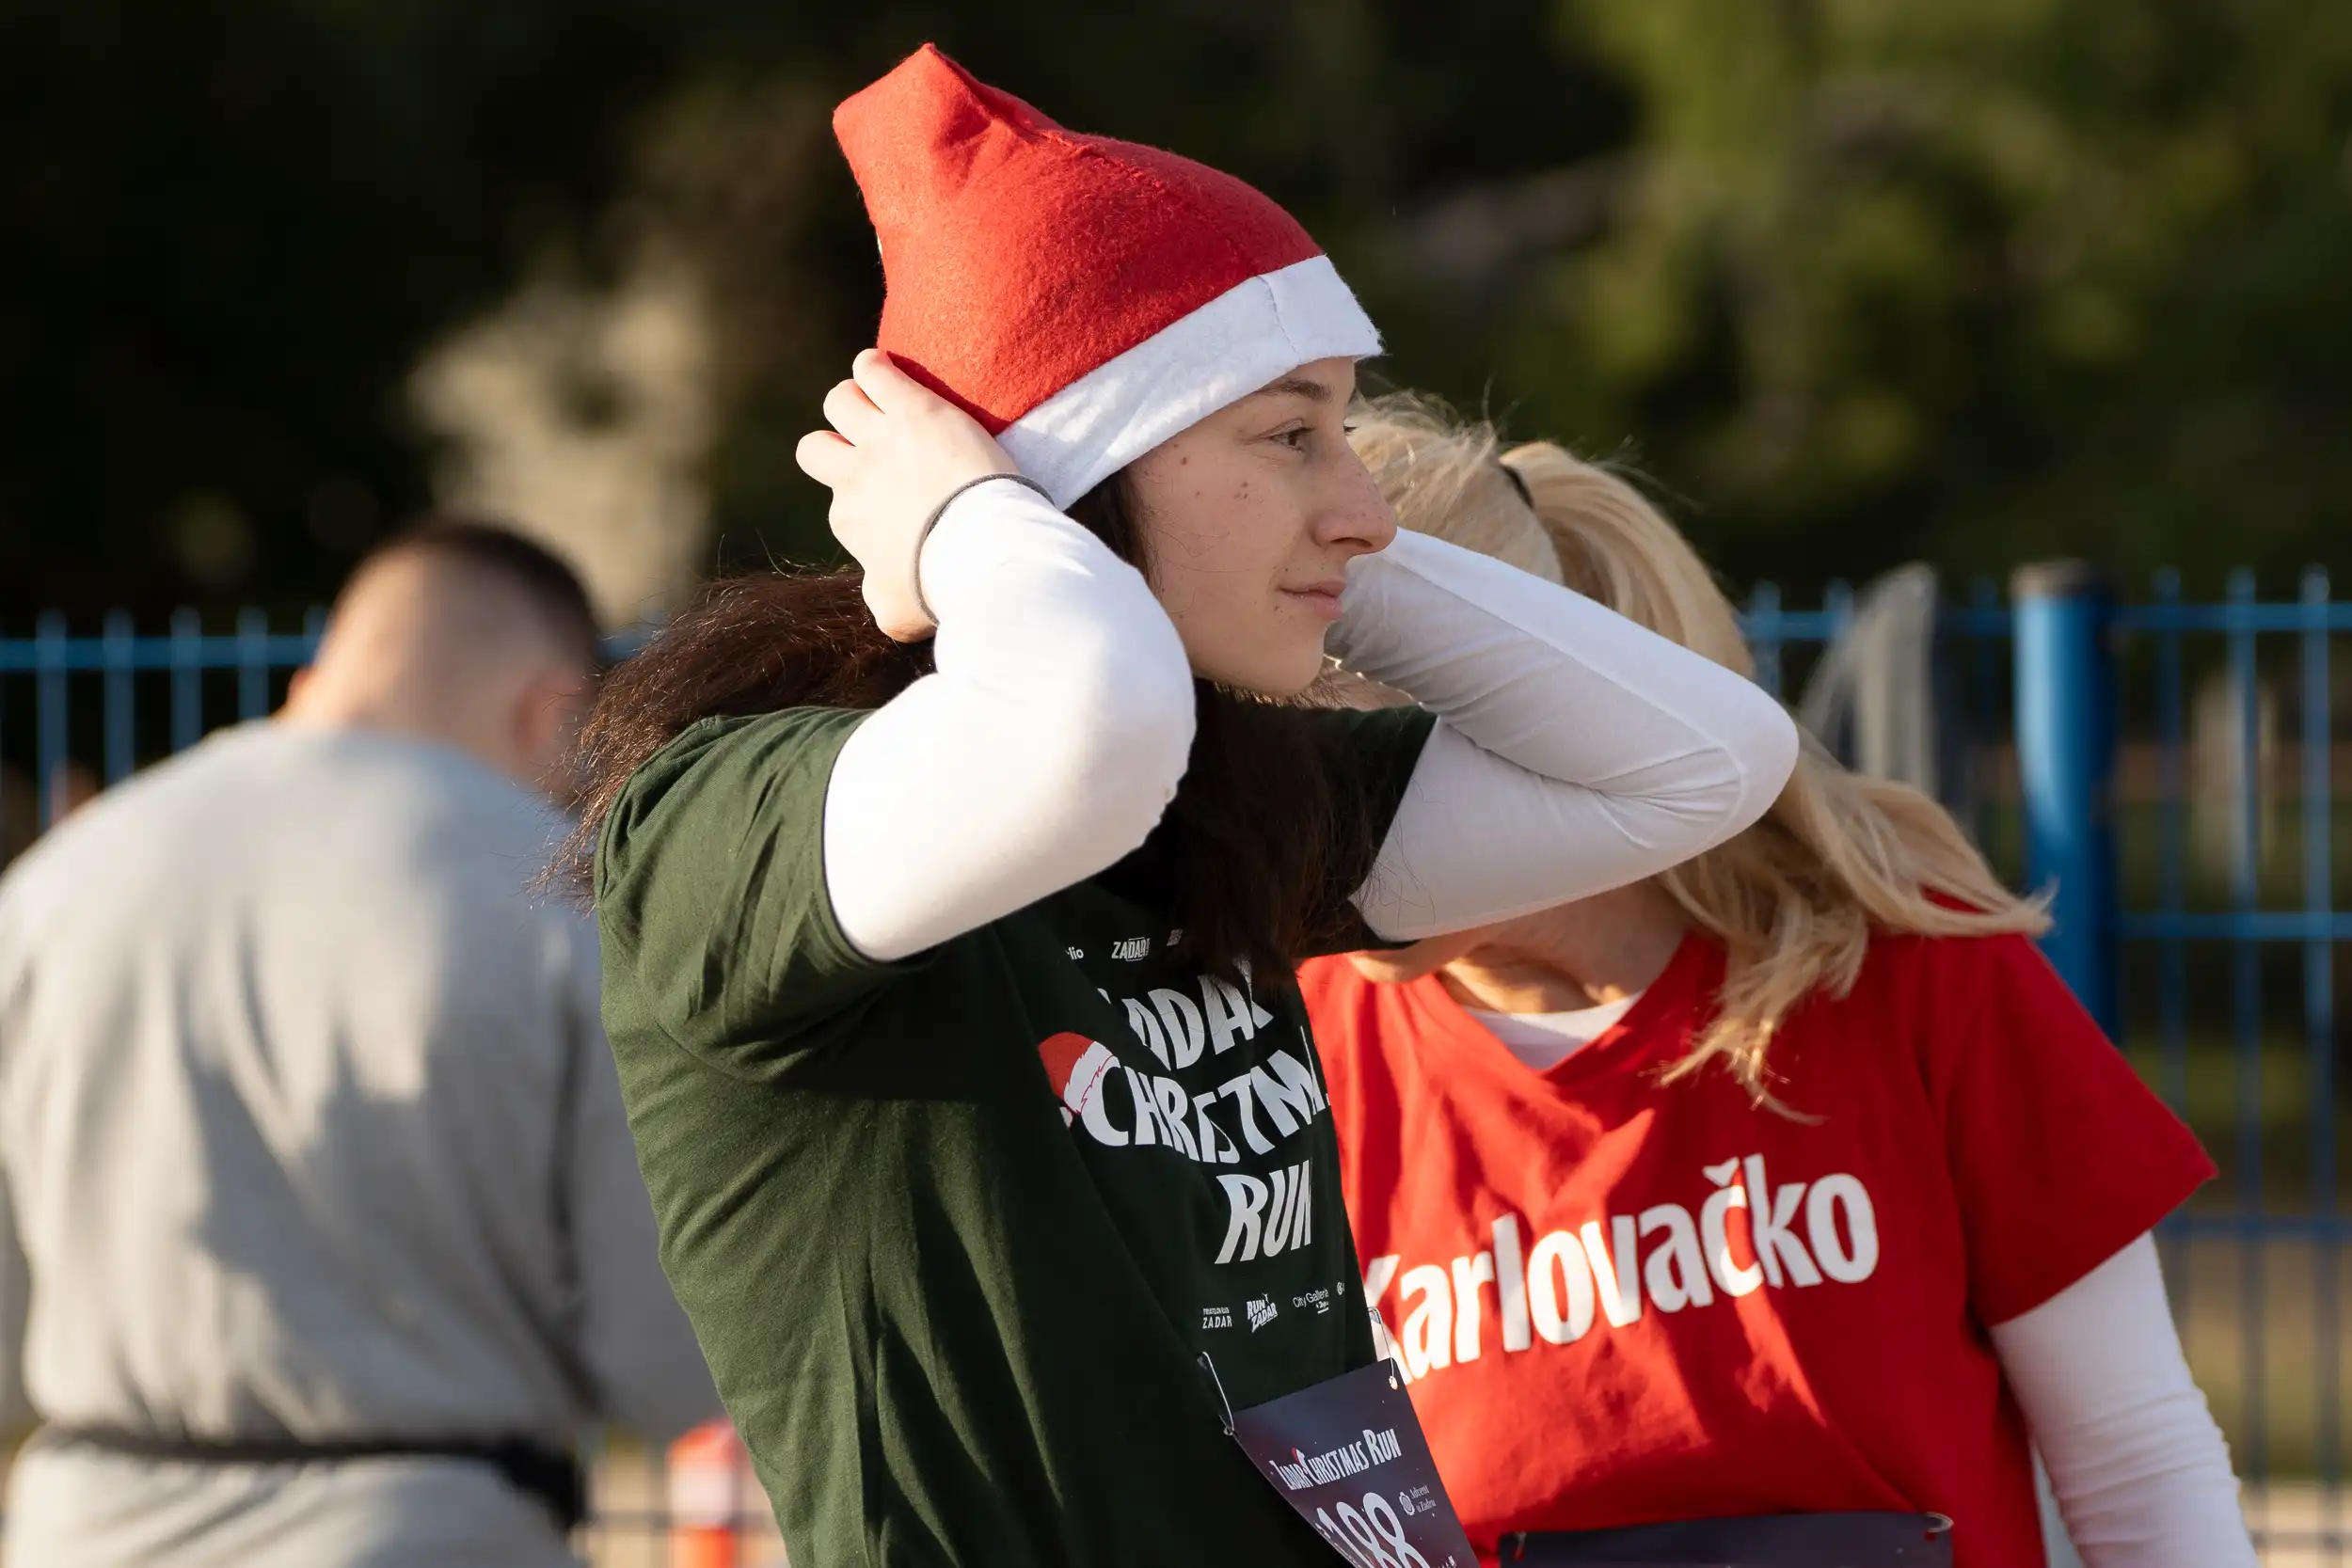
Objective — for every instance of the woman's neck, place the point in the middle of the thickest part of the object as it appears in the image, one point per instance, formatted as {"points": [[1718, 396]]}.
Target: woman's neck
{"points": [[1581, 955]]}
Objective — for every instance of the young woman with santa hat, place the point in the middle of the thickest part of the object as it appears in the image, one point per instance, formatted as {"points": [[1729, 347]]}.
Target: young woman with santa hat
{"points": [[1791, 1180], [949, 913]]}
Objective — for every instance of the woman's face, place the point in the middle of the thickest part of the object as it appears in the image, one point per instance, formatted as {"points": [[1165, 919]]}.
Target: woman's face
{"points": [[1249, 519]]}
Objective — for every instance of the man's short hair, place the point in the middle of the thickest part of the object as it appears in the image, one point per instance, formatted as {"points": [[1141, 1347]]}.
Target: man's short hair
{"points": [[552, 588]]}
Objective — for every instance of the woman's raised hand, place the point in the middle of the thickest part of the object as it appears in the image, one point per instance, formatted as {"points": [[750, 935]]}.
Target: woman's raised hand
{"points": [[896, 451]]}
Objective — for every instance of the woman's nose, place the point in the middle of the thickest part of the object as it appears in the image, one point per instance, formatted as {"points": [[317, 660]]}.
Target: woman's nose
{"points": [[1359, 521]]}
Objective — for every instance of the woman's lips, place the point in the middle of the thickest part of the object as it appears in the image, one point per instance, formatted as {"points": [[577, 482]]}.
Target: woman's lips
{"points": [[1321, 598]]}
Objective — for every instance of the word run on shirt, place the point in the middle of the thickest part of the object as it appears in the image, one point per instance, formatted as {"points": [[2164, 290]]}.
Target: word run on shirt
{"points": [[1254, 1110], [1794, 1236]]}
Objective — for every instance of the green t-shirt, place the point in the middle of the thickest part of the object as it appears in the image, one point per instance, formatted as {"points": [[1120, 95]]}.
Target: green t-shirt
{"points": [[954, 1232]]}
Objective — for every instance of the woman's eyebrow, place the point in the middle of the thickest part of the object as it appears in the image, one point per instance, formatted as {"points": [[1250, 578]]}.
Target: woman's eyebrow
{"points": [[1296, 387]]}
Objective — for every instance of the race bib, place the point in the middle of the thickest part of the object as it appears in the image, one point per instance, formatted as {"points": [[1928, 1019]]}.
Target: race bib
{"points": [[1349, 1454]]}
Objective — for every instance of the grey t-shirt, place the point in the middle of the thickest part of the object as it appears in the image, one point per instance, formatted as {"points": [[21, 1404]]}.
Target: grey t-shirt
{"points": [[308, 1127]]}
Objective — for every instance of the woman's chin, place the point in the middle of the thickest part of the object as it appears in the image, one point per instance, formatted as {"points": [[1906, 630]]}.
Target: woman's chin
{"points": [[1391, 967], [1278, 677]]}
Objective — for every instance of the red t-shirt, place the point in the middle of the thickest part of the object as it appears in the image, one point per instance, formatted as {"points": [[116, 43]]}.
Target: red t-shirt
{"points": [[1570, 1260]]}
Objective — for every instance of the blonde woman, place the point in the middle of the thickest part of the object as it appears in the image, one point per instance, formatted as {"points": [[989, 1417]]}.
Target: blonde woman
{"points": [[1787, 1181]]}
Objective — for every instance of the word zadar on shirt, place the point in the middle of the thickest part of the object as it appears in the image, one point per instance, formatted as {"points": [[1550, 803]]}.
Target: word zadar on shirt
{"points": [[1745, 1235]]}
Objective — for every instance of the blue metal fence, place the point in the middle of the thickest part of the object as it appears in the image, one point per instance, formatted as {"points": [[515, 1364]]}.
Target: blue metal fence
{"points": [[2094, 732], [2086, 740], [253, 655]]}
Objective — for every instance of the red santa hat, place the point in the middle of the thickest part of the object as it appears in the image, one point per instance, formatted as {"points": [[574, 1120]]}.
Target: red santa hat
{"points": [[1084, 298]]}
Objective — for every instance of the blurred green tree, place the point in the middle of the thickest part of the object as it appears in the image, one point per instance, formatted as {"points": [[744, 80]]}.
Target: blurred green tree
{"points": [[1974, 280]]}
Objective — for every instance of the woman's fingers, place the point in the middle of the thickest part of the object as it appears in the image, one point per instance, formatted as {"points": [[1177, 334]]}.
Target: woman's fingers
{"points": [[896, 449], [825, 458], [880, 378], [848, 410]]}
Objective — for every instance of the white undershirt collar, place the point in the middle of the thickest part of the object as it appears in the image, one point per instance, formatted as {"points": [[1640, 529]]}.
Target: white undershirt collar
{"points": [[1544, 1041]]}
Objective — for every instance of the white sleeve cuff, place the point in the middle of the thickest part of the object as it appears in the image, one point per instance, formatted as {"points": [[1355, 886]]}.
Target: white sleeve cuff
{"points": [[2142, 1472]]}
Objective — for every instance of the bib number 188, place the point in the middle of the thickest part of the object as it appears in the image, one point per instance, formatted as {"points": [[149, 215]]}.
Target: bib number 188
{"points": [[1371, 1538]]}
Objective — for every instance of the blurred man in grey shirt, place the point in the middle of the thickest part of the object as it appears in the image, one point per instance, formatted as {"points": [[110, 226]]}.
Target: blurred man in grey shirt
{"points": [[336, 1239]]}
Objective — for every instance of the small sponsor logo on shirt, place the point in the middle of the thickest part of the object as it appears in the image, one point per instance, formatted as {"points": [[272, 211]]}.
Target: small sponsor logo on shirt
{"points": [[1132, 948], [1217, 1317], [1176, 936], [1075, 953], [1262, 1312], [1320, 1299]]}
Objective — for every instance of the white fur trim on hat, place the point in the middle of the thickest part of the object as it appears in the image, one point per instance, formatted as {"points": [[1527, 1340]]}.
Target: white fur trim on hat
{"points": [[1221, 353]]}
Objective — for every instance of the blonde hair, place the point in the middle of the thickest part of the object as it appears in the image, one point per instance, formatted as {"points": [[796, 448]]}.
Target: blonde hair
{"points": [[1794, 899]]}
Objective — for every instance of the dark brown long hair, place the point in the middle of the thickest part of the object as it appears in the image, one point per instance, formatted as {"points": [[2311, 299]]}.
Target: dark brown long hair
{"points": [[1271, 829]]}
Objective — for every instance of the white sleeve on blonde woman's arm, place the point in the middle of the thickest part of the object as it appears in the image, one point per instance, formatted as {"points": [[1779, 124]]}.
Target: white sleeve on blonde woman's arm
{"points": [[1575, 752], [2142, 1473], [1045, 748]]}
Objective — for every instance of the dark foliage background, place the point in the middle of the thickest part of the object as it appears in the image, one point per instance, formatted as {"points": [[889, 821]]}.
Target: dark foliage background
{"points": [[1969, 280]]}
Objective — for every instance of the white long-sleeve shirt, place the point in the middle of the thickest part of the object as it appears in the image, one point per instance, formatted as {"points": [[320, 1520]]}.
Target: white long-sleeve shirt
{"points": [[310, 1129], [2140, 1470], [1574, 752]]}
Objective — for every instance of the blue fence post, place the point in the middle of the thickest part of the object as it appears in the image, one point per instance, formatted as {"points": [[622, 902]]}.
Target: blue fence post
{"points": [[2066, 743], [2319, 1025], [121, 726], [49, 720], [1764, 635], [188, 678], [252, 663]]}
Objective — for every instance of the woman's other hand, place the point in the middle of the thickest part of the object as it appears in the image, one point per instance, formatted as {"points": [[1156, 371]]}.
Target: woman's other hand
{"points": [[896, 451]]}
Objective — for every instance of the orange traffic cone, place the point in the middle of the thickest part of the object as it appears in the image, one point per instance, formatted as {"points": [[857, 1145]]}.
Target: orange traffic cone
{"points": [[707, 1491]]}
